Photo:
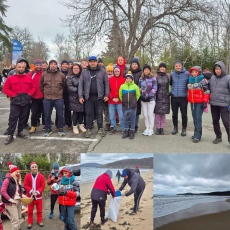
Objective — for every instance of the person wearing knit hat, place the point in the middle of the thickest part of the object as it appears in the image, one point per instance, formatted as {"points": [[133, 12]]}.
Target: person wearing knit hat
{"points": [[70, 64], [109, 70], [136, 72], [101, 63], [34, 184], [146, 66], [54, 177], [129, 93], [102, 186], [11, 192]]}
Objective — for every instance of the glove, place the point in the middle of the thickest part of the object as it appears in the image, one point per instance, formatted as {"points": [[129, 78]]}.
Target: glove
{"points": [[204, 105], [62, 193]]}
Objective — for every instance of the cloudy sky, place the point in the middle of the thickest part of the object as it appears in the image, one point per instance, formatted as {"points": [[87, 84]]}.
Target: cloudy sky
{"points": [[197, 173], [111, 157], [41, 17]]}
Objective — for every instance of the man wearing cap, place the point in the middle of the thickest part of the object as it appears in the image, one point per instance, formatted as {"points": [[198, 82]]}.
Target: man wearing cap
{"points": [[101, 188], [34, 184], [19, 88], [93, 89], [137, 184], [52, 84], [37, 98]]}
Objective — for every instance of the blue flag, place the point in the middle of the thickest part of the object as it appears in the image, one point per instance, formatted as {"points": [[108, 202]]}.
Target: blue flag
{"points": [[16, 50]]}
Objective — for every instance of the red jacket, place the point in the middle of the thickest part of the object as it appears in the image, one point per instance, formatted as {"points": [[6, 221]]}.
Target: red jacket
{"points": [[36, 76], [115, 84], [39, 185], [69, 199], [197, 96], [18, 84]]}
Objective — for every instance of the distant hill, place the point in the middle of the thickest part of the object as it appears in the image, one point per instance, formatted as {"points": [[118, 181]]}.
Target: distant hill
{"points": [[143, 163], [93, 165], [224, 193]]}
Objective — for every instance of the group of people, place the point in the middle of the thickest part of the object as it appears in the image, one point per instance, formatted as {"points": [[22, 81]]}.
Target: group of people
{"points": [[34, 183], [82, 93], [104, 186]]}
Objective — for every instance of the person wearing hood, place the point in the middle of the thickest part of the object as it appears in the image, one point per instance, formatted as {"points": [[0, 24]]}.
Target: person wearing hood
{"points": [[220, 100], [148, 88], [19, 88], [52, 84], [198, 96], [102, 187], [24, 62], [93, 89], [179, 80], [72, 83], [129, 93], [137, 187], [121, 62], [54, 177], [67, 195], [137, 73], [115, 83]]}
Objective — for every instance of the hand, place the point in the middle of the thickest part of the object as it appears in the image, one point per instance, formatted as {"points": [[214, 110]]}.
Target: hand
{"points": [[106, 98], [15, 202], [5, 213], [123, 194], [34, 194], [81, 100], [204, 105], [53, 177], [115, 100]]}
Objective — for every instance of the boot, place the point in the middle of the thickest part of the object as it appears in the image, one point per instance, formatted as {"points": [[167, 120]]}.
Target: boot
{"points": [[22, 136], [183, 133], [217, 140], [125, 134], [158, 132], [88, 133], [75, 129], [107, 127], [32, 130], [103, 221], [9, 139], [82, 128], [175, 130], [162, 131], [131, 134]]}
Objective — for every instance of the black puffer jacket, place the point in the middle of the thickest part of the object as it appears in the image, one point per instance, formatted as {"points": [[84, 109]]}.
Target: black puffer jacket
{"points": [[72, 83], [162, 95]]}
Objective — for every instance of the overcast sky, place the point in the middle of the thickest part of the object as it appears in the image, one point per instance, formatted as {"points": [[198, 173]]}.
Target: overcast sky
{"points": [[105, 158], [41, 17], [197, 173]]}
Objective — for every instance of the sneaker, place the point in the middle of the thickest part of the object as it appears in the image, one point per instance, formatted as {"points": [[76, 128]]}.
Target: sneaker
{"points": [[41, 224], [175, 131], [47, 133], [29, 226], [61, 132], [112, 131], [51, 215], [101, 132], [22, 136], [217, 140], [75, 130], [32, 129], [9, 139], [132, 213], [195, 140], [104, 221], [136, 129], [183, 133], [150, 132], [87, 133], [107, 127], [61, 217], [145, 132], [82, 128], [131, 134]]}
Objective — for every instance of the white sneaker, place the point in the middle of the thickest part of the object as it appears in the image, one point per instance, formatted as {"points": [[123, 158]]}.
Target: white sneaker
{"points": [[82, 128], [75, 130], [145, 132], [150, 132]]}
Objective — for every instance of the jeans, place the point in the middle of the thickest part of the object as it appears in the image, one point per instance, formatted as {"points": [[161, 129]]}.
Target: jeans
{"points": [[197, 111], [68, 214], [129, 116], [112, 112], [48, 105]]}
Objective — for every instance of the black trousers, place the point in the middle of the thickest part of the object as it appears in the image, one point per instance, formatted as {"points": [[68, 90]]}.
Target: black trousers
{"points": [[18, 115], [182, 103], [53, 199], [37, 109], [217, 112], [77, 118], [101, 204], [91, 105], [137, 196]]}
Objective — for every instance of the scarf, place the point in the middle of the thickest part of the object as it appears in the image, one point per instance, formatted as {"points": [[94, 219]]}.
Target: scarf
{"points": [[67, 181], [193, 80]]}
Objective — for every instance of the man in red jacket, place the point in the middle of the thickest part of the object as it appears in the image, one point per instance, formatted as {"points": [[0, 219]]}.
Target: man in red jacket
{"points": [[102, 186], [37, 98], [19, 88], [34, 184]]}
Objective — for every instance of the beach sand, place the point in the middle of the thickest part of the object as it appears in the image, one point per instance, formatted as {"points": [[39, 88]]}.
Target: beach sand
{"points": [[142, 220], [214, 221]]}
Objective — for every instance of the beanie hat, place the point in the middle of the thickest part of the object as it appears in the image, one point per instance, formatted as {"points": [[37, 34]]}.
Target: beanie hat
{"points": [[12, 167], [38, 62], [109, 67], [146, 66], [110, 173], [135, 60], [33, 164], [55, 165], [123, 174], [70, 62], [51, 61], [92, 58], [64, 61], [100, 60], [162, 64], [129, 74]]}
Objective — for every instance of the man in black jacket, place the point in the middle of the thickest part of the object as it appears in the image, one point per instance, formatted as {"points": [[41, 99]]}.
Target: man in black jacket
{"points": [[137, 184]]}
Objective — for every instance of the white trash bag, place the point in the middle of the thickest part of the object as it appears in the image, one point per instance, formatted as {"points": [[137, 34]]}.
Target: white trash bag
{"points": [[114, 207]]}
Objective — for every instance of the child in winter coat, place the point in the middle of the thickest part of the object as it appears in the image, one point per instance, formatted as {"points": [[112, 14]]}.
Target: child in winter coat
{"points": [[198, 96], [129, 93]]}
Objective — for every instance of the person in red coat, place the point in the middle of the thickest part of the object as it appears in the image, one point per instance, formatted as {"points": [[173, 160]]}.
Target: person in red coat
{"points": [[102, 186], [37, 98], [114, 102], [198, 96], [19, 88], [34, 184]]}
